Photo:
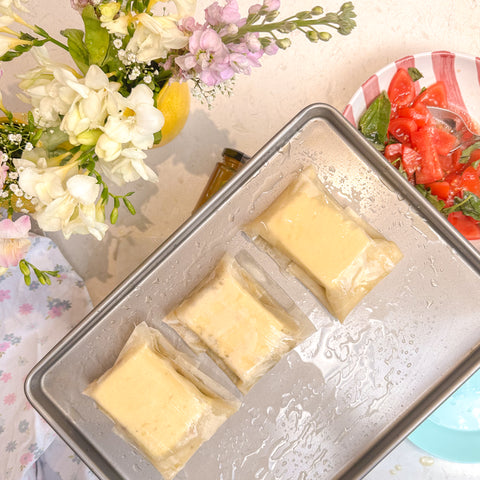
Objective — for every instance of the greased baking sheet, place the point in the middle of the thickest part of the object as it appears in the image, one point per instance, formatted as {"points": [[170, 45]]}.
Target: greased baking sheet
{"points": [[336, 404]]}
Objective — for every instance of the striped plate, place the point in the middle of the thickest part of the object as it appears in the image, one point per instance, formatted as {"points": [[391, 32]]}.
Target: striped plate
{"points": [[461, 74]]}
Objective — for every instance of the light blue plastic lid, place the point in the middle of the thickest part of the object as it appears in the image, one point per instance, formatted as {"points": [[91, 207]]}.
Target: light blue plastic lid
{"points": [[452, 432]]}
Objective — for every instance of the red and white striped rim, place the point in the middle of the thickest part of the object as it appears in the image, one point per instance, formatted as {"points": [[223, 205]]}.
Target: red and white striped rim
{"points": [[461, 74]]}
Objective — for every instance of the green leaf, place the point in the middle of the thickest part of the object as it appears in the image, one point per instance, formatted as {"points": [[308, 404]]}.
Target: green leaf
{"points": [[469, 205], [97, 39], [77, 48], [465, 156], [433, 199], [374, 122], [414, 73], [157, 138]]}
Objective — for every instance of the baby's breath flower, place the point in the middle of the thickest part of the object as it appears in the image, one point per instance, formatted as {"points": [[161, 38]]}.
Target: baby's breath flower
{"points": [[147, 79], [117, 43], [28, 147], [14, 138], [13, 175]]}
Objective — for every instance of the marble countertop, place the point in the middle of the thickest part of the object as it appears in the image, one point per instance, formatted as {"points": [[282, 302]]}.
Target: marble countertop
{"points": [[262, 103]]}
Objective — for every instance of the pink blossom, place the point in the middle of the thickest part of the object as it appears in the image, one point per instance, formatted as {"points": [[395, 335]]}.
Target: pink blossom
{"points": [[208, 57], [242, 59], [254, 9], [189, 24], [25, 308], [4, 346], [6, 377], [79, 4], [14, 242], [26, 458], [217, 15], [271, 49], [271, 5], [9, 399]]}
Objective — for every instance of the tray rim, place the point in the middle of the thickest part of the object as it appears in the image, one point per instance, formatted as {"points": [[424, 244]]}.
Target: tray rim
{"points": [[398, 430]]}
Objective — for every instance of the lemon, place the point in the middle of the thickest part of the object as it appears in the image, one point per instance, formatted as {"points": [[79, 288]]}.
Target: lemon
{"points": [[174, 102]]}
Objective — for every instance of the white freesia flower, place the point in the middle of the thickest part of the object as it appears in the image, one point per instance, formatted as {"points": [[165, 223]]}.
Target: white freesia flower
{"points": [[108, 149], [88, 219], [97, 98], [138, 123], [154, 37], [8, 43], [129, 166], [49, 88], [6, 6], [66, 198], [119, 25], [185, 8], [41, 181], [83, 188], [6, 20]]}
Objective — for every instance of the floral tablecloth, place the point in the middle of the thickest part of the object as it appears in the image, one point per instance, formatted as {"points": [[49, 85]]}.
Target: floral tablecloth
{"points": [[32, 320]]}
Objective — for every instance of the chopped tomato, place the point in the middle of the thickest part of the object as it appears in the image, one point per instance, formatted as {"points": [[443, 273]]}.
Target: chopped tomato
{"points": [[410, 161], [456, 165], [393, 151], [467, 226], [430, 169], [443, 141], [401, 90], [419, 113], [440, 189], [433, 96], [474, 156], [402, 128], [470, 180], [424, 149]]}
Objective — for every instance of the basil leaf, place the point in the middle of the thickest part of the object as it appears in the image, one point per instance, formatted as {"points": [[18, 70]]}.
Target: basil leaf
{"points": [[433, 199], [77, 48], [374, 122], [469, 205], [97, 38], [465, 156], [414, 73]]}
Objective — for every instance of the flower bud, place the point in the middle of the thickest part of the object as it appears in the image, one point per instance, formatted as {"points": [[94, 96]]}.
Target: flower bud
{"points": [[287, 27], [317, 10], [324, 36], [89, 137], [313, 36], [24, 268], [304, 15], [271, 16], [283, 43]]}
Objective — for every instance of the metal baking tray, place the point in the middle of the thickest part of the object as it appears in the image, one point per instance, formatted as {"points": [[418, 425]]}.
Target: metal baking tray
{"points": [[347, 395]]}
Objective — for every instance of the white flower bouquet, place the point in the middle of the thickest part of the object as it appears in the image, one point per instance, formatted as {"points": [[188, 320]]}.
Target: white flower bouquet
{"points": [[91, 121]]}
